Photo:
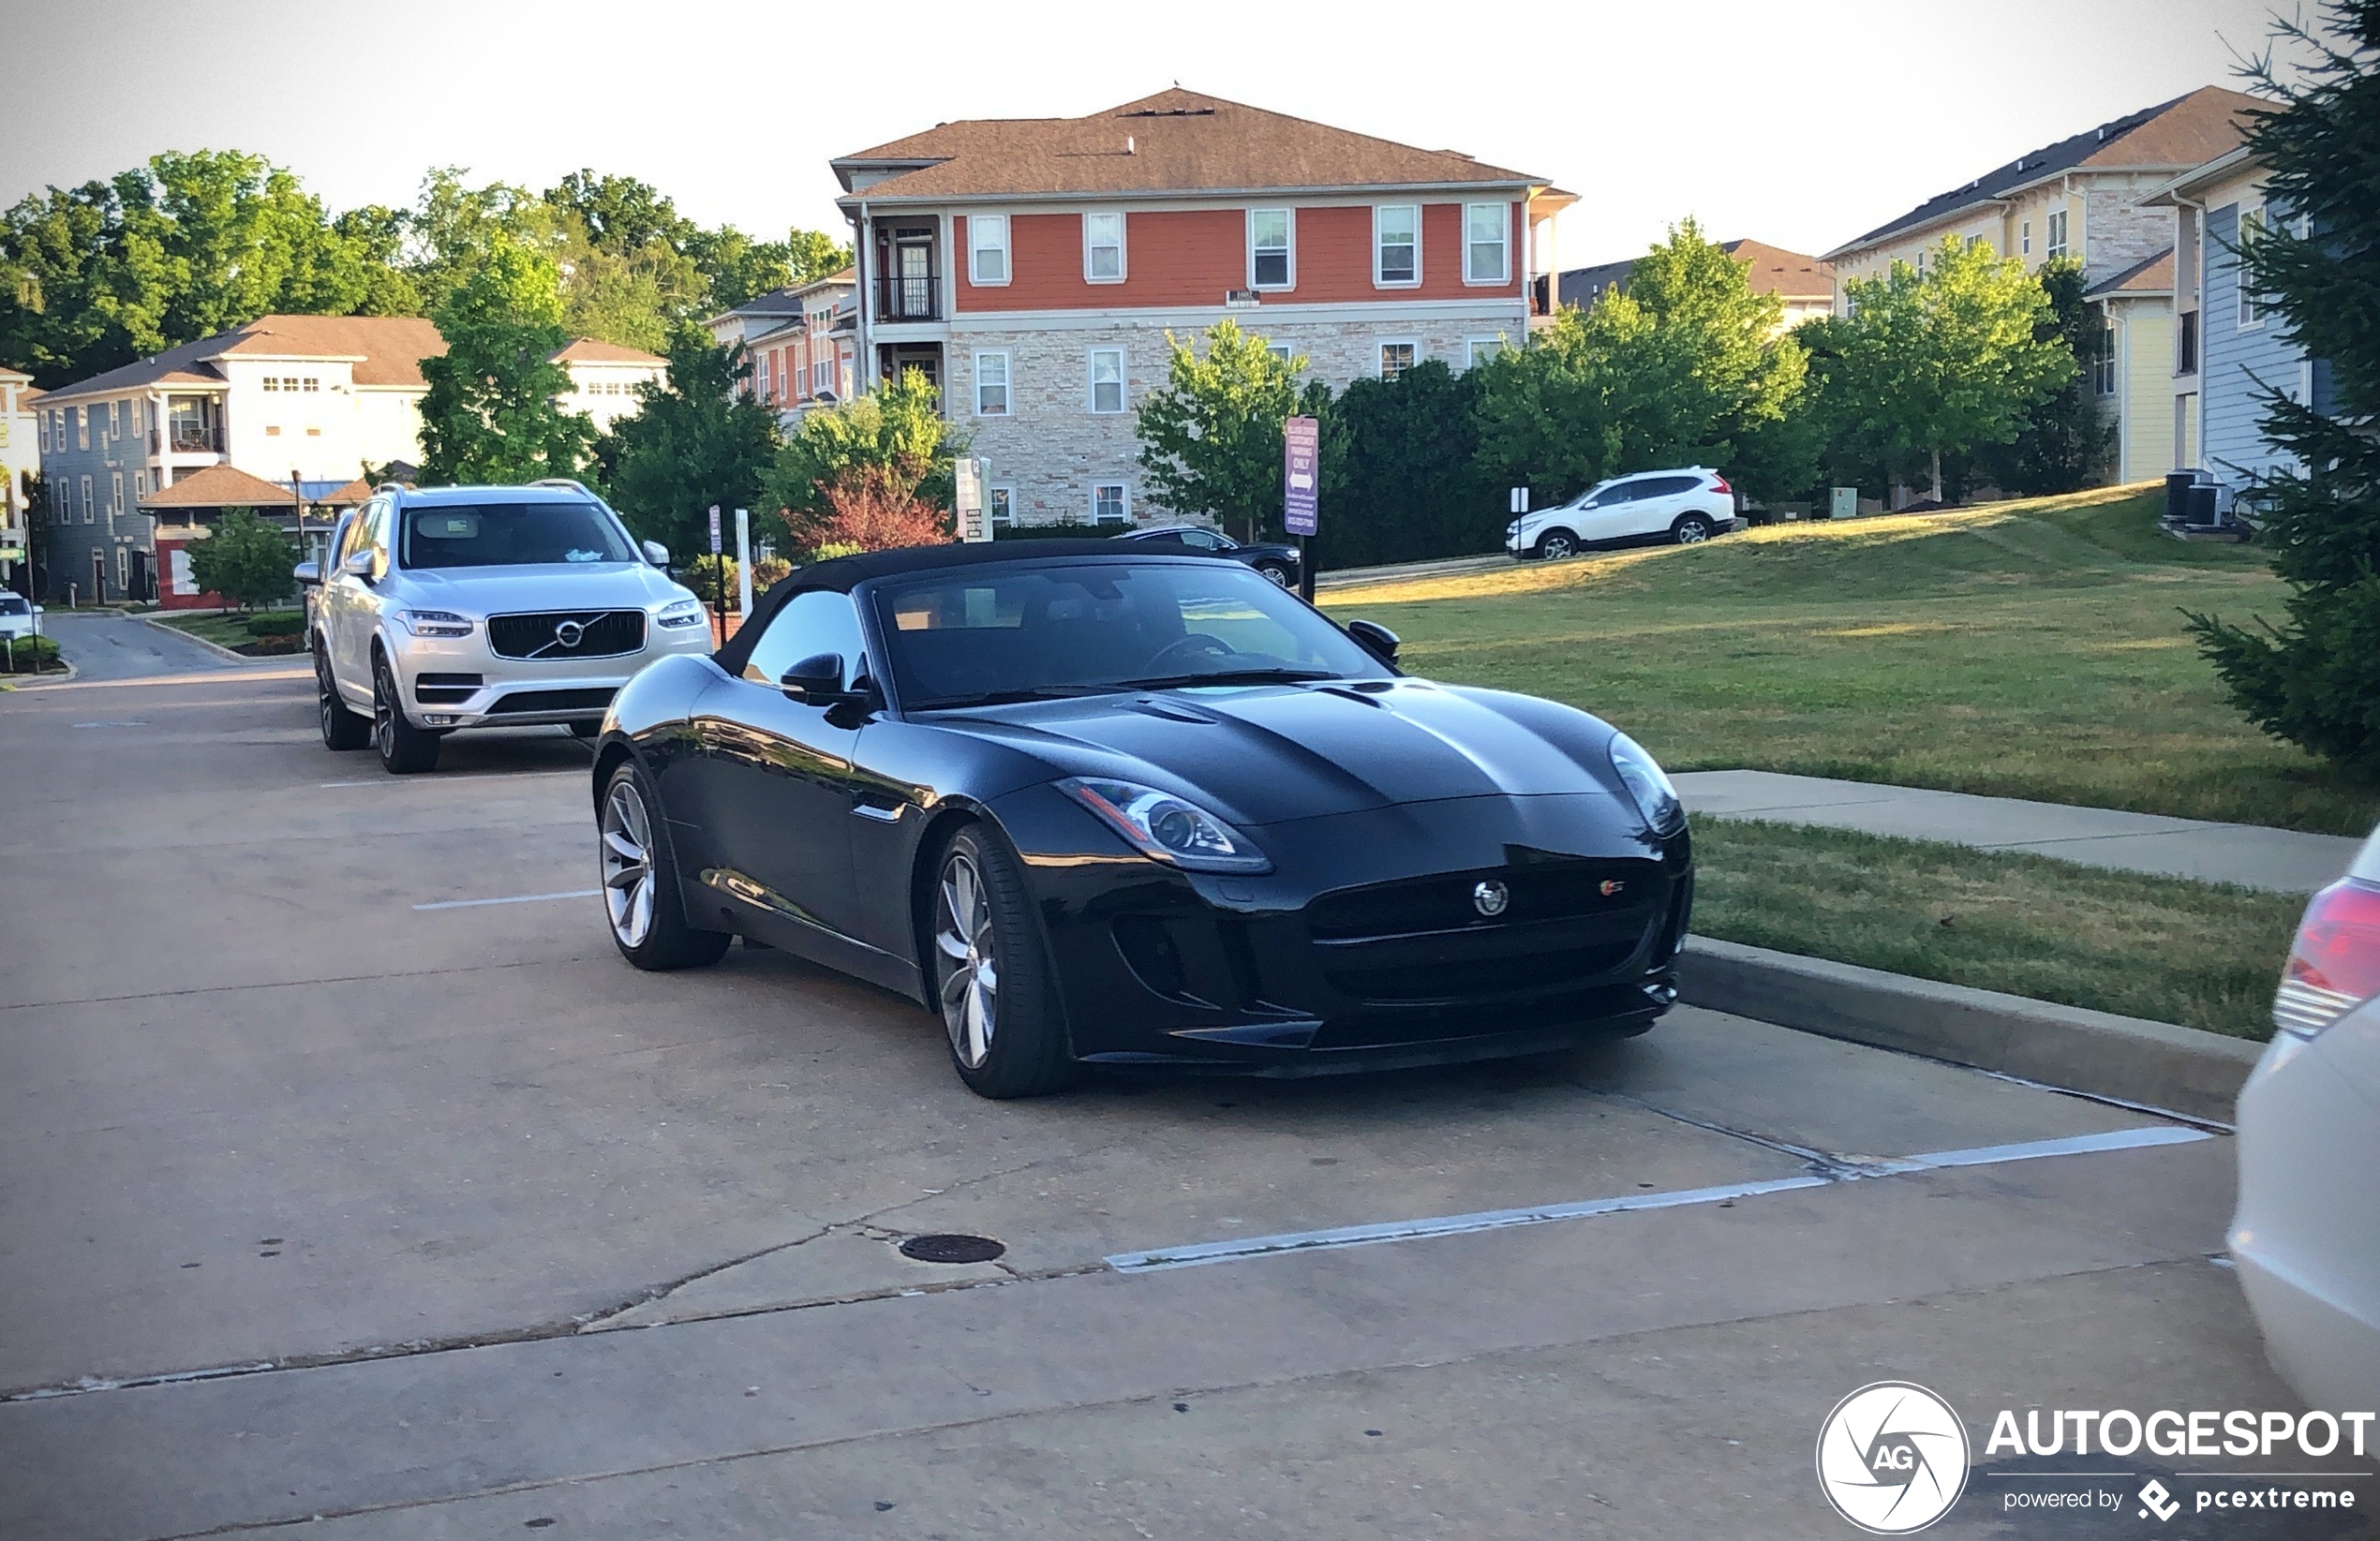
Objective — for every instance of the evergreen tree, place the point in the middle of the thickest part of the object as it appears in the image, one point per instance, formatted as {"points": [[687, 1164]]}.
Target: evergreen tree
{"points": [[2065, 442], [2315, 680]]}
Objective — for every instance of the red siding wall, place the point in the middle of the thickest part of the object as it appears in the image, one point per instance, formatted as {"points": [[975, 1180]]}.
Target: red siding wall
{"points": [[1192, 256]]}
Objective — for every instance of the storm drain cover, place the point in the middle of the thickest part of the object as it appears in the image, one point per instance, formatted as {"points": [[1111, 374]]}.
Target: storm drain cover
{"points": [[949, 1248]]}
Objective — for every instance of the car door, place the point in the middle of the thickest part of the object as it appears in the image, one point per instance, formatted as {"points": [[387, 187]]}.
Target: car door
{"points": [[352, 603], [1657, 502], [773, 777], [1605, 515]]}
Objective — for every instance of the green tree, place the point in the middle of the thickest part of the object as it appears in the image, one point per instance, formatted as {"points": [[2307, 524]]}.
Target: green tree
{"points": [[2316, 679], [1210, 436], [897, 428], [1400, 472], [492, 411], [453, 226], [695, 441], [1938, 362], [2066, 440], [245, 559], [813, 254]]}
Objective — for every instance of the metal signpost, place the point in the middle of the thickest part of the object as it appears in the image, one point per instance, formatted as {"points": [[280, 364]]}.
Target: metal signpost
{"points": [[717, 579], [743, 562], [969, 499], [1302, 470]]}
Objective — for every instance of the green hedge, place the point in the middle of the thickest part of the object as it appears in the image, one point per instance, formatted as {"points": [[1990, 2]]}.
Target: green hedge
{"points": [[26, 648], [278, 623]]}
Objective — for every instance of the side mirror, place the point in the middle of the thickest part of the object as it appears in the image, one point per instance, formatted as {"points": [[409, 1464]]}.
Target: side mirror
{"points": [[657, 554], [307, 573], [357, 565], [1375, 638], [816, 680]]}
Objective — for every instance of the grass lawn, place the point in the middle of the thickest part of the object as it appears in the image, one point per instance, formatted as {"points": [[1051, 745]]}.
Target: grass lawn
{"points": [[227, 630], [2024, 649], [2202, 955]]}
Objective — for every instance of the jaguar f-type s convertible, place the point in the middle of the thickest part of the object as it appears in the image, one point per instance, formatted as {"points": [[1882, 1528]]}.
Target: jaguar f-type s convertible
{"points": [[1102, 806]]}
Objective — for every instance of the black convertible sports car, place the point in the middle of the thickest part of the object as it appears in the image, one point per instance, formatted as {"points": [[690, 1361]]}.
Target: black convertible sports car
{"points": [[1128, 807]]}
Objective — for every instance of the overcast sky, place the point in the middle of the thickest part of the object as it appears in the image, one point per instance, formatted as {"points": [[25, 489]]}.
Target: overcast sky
{"points": [[1800, 125]]}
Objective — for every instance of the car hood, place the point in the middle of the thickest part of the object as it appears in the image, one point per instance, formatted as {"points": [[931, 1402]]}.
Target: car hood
{"points": [[1266, 754], [560, 585]]}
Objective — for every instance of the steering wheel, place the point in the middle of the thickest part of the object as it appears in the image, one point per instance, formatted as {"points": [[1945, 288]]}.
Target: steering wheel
{"points": [[1184, 649]]}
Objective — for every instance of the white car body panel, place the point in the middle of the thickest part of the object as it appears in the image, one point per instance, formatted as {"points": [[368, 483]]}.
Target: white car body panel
{"points": [[1596, 516]]}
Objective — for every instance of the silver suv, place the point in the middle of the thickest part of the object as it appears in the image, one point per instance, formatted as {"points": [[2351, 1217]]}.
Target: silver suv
{"points": [[455, 608]]}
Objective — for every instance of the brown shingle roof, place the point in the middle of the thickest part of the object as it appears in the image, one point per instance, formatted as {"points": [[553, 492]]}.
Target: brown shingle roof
{"points": [[2154, 276], [1175, 142], [2184, 132], [592, 351], [387, 351], [1769, 270], [219, 486]]}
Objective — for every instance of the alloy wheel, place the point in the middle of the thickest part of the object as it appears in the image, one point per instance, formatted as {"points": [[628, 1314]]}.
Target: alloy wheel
{"points": [[1279, 575], [971, 986], [1692, 532], [384, 714], [1558, 547], [326, 698], [628, 864]]}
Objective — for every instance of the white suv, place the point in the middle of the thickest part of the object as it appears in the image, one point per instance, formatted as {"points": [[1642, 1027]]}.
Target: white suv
{"points": [[485, 607], [1688, 505]]}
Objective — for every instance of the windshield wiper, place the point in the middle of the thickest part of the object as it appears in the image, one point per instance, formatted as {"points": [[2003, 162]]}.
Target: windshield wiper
{"points": [[1227, 676], [1010, 697]]}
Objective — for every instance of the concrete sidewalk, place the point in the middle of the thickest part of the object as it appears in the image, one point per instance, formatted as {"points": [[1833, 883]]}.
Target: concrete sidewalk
{"points": [[2282, 860]]}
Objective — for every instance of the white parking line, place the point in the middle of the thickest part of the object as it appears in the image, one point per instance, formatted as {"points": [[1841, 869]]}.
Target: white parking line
{"points": [[449, 780], [510, 898], [1200, 1253]]}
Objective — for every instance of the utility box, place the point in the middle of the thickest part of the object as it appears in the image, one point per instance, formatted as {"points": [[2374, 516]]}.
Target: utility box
{"points": [[1842, 502]]}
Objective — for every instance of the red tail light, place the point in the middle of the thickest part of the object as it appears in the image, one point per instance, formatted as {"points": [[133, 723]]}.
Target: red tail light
{"points": [[2334, 966], [1719, 483]]}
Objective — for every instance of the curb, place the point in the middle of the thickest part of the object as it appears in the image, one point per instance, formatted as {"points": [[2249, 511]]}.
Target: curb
{"points": [[2126, 1059], [216, 648]]}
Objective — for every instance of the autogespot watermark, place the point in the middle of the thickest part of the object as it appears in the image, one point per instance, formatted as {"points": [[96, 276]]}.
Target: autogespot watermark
{"points": [[1892, 1459]]}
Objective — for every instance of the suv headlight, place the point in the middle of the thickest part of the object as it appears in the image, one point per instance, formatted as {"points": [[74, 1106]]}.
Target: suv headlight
{"points": [[435, 623], [1163, 826], [1648, 785], [679, 613]]}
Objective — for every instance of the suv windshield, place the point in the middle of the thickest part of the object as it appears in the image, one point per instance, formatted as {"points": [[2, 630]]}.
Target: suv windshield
{"points": [[509, 535], [1002, 633], [11, 604]]}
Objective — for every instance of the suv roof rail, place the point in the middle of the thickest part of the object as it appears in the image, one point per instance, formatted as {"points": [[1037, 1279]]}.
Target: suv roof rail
{"points": [[572, 483], [390, 486]]}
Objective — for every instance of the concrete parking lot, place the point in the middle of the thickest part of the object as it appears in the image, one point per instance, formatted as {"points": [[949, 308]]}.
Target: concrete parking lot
{"points": [[352, 1176]]}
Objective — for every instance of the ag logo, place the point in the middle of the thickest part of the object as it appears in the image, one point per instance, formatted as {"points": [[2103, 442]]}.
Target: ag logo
{"points": [[1892, 1458]]}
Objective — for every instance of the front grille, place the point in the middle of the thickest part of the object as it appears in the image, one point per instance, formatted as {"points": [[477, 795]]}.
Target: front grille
{"points": [[433, 689], [1539, 891], [552, 701], [599, 633]]}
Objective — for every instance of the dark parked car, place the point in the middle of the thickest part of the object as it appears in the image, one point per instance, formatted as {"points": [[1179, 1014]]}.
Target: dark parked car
{"points": [[1277, 562], [1119, 805]]}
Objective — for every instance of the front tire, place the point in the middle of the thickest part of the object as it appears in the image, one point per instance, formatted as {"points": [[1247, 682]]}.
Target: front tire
{"points": [[642, 906], [991, 982], [341, 728], [403, 749], [1279, 575], [1555, 544], [1691, 529]]}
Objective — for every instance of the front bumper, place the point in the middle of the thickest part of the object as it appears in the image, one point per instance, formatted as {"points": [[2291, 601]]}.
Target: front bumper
{"points": [[457, 684], [1364, 948]]}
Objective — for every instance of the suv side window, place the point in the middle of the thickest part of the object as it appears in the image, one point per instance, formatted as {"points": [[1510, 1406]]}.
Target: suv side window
{"points": [[1200, 539], [1613, 496], [351, 534], [1667, 486], [820, 621]]}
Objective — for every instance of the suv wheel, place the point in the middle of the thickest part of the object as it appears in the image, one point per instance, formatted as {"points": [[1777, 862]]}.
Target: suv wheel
{"points": [[641, 901], [341, 729], [991, 981], [1691, 529], [1278, 573], [403, 749], [1554, 544]]}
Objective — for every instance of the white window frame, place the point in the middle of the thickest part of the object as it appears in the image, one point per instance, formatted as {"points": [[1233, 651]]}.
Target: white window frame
{"points": [[1124, 501], [115, 493], [977, 247], [87, 499], [763, 372], [1008, 383], [1091, 381], [123, 568], [82, 426], [2055, 238], [1281, 350], [1380, 355], [1471, 346], [992, 495], [2024, 238], [1088, 247], [1504, 244], [822, 376], [2252, 305], [1290, 224], [1379, 271]]}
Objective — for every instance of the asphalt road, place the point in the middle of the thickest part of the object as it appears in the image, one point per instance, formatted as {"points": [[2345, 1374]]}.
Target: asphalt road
{"points": [[102, 644], [442, 1222]]}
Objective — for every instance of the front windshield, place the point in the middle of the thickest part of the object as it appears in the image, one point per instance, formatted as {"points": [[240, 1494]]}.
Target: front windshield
{"points": [[510, 535], [12, 605], [986, 634]]}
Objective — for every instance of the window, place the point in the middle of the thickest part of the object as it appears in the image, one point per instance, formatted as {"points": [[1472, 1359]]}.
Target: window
{"points": [[2104, 367], [991, 385], [1481, 349], [820, 621], [86, 500], [1487, 233], [1103, 248], [1281, 352], [313, 382], [2186, 343], [1001, 506], [41, 420], [821, 380], [82, 426], [1106, 379], [1110, 504], [2056, 232], [987, 248], [2252, 230], [122, 567], [273, 382], [2025, 239], [115, 493], [1396, 245], [1396, 358], [1271, 256], [763, 373], [115, 420]]}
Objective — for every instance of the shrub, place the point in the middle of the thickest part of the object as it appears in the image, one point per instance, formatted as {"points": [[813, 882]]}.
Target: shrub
{"points": [[767, 571], [278, 623], [878, 510]]}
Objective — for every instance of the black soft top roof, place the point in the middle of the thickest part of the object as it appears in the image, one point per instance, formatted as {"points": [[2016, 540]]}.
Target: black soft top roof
{"points": [[841, 574]]}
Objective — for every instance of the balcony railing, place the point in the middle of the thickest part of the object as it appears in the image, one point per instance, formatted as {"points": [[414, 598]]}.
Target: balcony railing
{"points": [[909, 296], [188, 439]]}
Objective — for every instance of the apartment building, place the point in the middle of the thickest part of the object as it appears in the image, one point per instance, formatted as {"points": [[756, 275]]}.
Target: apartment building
{"points": [[801, 343], [19, 453], [604, 377], [2092, 197], [1033, 269], [1804, 284]]}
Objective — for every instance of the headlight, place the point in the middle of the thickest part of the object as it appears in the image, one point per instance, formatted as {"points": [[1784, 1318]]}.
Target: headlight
{"points": [[679, 613], [435, 623], [1163, 826], [1655, 799]]}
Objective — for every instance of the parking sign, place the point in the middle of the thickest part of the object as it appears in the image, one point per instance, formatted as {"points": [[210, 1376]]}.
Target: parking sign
{"points": [[1302, 443]]}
